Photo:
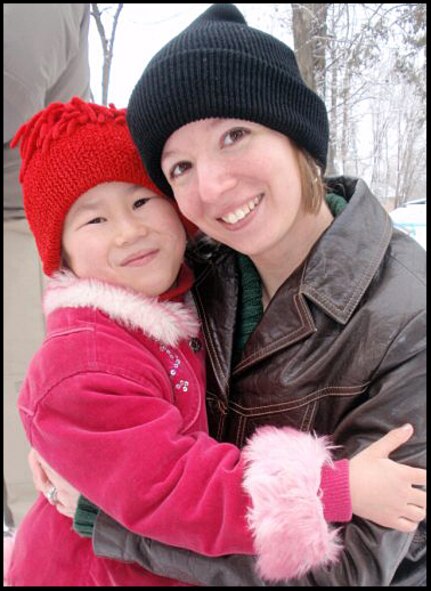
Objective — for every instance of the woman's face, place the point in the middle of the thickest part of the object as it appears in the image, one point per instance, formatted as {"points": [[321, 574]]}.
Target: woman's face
{"points": [[238, 181], [127, 235]]}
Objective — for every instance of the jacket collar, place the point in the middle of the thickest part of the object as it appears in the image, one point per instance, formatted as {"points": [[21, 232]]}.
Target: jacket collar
{"points": [[354, 246], [167, 322]]}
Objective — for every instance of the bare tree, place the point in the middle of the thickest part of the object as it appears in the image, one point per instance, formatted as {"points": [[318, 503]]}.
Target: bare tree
{"points": [[367, 61], [107, 44], [411, 56]]}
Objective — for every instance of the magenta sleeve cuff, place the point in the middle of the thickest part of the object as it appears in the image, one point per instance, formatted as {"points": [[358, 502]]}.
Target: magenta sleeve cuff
{"points": [[335, 488]]}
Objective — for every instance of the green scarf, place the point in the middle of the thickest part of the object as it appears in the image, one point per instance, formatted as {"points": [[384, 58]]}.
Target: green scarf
{"points": [[250, 310]]}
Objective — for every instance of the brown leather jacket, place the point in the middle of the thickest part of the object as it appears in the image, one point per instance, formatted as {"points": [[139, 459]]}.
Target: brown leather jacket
{"points": [[340, 350]]}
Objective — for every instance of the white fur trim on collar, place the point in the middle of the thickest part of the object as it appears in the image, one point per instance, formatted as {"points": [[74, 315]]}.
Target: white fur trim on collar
{"points": [[167, 322]]}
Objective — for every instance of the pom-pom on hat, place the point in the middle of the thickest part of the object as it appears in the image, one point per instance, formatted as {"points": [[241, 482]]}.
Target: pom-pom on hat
{"points": [[66, 149], [220, 67]]}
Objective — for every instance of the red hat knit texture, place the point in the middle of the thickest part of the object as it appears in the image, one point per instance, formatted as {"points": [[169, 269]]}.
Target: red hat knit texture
{"points": [[67, 149]]}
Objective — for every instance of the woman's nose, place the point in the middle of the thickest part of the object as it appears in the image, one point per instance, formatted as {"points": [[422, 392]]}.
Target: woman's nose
{"points": [[214, 180]]}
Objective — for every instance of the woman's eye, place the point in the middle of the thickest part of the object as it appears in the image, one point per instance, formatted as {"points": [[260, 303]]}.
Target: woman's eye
{"points": [[234, 135], [140, 202], [178, 169]]}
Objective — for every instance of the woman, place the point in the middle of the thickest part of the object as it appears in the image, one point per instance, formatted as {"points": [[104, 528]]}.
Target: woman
{"points": [[313, 307]]}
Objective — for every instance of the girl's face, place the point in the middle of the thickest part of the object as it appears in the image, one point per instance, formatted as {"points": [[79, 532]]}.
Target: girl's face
{"points": [[239, 182], [126, 235]]}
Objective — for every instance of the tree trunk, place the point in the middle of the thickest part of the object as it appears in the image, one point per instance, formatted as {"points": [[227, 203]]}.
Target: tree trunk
{"points": [[310, 41], [107, 46]]}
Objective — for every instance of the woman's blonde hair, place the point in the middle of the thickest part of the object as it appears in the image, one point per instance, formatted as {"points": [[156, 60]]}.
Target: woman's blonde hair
{"points": [[312, 185]]}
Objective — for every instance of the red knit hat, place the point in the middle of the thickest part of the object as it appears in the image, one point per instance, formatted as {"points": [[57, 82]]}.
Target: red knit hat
{"points": [[66, 150]]}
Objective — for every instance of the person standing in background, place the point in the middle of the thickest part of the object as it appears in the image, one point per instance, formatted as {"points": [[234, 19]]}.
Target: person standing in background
{"points": [[45, 60]]}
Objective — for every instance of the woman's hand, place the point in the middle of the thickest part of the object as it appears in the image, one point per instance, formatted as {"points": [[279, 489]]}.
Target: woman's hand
{"points": [[385, 491], [66, 496]]}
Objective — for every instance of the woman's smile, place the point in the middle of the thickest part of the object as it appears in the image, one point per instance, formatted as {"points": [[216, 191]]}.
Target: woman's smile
{"points": [[237, 218]]}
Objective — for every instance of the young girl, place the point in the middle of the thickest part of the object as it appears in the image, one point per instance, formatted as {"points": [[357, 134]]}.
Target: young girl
{"points": [[114, 399]]}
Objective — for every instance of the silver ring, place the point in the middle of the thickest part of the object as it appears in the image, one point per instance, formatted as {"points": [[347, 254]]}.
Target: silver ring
{"points": [[51, 495]]}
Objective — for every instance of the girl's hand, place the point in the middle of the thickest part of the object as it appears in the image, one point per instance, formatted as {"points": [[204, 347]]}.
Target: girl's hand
{"points": [[44, 478], [385, 491]]}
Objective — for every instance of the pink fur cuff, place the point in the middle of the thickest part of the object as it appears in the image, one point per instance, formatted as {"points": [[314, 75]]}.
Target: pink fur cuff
{"points": [[282, 477]]}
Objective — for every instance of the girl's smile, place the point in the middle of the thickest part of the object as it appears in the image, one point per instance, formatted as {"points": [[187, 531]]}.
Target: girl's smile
{"points": [[140, 258]]}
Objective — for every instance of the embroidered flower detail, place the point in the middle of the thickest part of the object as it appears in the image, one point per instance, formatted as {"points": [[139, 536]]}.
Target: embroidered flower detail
{"points": [[182, 385]]}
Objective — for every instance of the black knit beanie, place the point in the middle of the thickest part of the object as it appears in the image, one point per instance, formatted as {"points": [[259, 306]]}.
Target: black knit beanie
{"points": [[220, 67]]}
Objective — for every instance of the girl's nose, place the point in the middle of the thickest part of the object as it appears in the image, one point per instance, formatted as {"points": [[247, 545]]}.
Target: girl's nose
{"points": [[128, 230]]}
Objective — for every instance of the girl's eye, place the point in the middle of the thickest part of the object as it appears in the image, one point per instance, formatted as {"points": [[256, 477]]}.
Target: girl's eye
{"points": [[96, 221], [179, 169], [140, 202], [234, 135]]}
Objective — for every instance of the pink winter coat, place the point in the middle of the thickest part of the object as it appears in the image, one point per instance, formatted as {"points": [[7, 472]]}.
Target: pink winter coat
{"points": [[114, 401]]}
